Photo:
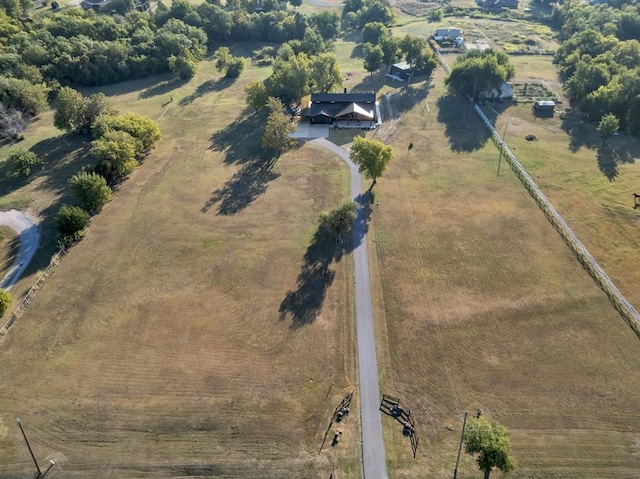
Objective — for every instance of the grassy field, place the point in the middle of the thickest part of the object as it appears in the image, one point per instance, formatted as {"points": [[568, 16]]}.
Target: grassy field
{"points": [[484, 307], [199, 329]]}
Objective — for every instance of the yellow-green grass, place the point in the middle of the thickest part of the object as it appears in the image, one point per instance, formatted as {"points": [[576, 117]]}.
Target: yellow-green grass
{"points": [[157, 349], [483, 306], [9, 245]]}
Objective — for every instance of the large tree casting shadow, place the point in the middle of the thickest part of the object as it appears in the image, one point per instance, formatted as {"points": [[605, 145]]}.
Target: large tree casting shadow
{"points": [[463, 127], [304, 304]]}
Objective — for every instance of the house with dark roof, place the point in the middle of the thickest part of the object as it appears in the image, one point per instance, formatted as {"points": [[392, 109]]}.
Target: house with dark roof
{"points": [[344, 110], [498, 4]]}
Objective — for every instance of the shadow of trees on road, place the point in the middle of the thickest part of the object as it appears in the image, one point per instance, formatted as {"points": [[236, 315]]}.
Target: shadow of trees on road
{"points": [[305, 303]]}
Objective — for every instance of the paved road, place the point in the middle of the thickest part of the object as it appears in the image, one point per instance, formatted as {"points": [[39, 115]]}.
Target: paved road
{"points": [[373, 456], [29, 238]]}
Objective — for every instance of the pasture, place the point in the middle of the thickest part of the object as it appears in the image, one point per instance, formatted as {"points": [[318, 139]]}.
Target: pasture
{"points": [[199, 329], [482, 305]]}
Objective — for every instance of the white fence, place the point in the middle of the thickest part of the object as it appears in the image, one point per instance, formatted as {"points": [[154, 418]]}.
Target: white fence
{"points": [[22, 305], [626, 310]]}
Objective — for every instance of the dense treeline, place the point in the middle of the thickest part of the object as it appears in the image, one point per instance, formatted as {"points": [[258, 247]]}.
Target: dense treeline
{"points": [[600, 59], [87, 48]]}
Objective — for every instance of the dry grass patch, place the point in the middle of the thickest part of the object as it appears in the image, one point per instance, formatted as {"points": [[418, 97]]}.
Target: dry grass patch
{"points": [[485, 307], [157, 348]]}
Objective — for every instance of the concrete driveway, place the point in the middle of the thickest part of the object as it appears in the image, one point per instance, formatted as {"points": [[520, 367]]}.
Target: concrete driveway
{"points": [[307, 131]]}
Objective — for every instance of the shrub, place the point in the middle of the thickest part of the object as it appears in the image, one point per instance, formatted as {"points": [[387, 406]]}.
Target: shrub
{"points": [[71, 221], [91, 189], [6, 298], [24, 161]]}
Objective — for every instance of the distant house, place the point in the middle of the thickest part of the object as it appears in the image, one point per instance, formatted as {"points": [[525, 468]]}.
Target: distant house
{"points": [[451, 33], [400, 71], [348, 110], [544, 108], [93, 4], [498, 4]]}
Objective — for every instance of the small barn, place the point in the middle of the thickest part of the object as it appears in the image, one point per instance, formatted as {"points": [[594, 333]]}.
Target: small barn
{"points": [[401, 71], [544, 108]]}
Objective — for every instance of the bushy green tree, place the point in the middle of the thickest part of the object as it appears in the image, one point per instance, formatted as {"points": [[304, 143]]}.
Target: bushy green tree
{"points": [[339, 220], [71, 220], [183, 66], [490, 441], [373, 56], [23, 95], [6, 299], [390, 49], [235, 67], [325, 72], [371, 156], [257, 94], [23, 161], [278, 128], [75, 113], [143, 129], [478, 72], [290, 79], [116, 154], [373, 32], [607, 127], [91, 189]]}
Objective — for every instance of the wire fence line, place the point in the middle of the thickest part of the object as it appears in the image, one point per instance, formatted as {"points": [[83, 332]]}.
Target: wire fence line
{"points": [[619, 302], [24, 302]]}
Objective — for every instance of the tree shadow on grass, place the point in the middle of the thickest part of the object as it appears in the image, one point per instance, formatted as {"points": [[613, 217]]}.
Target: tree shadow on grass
{"points": [[580, 132], [239, 140], [316, 276], [207, 87], [463, 127], [162, 87], [247, 184], [617, 152]]}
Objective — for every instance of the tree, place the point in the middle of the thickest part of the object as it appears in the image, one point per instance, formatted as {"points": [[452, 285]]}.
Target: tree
{"points": [[608, 125], [256, 94], [490, 440], [91, 189], [373, 56], [290, 78], [183, 66], [71, 220], [12, 123], [223, 57], [390, 50], [278, 128], [413, 47], [75, 113], [478, 72], [373, 32], [327, 23], [339, 220], [143, 129], [6, 298], [371, 156], [325, 72], [116, 154], [23, 95], [23, 161], [235, 67]]}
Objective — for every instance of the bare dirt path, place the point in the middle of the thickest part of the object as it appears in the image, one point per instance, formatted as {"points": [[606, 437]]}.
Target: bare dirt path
{"points": [[373, 455], [29, 239]]}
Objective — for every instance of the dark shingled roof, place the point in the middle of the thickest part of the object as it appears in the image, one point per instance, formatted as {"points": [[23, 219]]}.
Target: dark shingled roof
{"points": [[343, 97]]}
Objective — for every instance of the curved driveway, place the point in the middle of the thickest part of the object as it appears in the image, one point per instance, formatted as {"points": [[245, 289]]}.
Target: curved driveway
{"points": [[373, 456], [29, 238]]}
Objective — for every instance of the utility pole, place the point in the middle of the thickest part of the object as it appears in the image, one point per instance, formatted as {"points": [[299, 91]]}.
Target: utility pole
{"points": [[464, 425], [504, 135]]}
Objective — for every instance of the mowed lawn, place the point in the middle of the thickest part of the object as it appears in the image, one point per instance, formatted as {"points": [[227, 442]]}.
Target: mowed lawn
{"points": [[173, 341], [481, 305]]}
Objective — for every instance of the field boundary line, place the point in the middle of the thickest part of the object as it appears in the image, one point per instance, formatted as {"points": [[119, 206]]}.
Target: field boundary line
{"points": [[26, 299], [616, 298]]}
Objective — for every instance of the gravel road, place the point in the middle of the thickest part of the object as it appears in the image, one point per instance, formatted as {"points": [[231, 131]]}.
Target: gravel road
{"points": [[373, 455], [29, 239]]}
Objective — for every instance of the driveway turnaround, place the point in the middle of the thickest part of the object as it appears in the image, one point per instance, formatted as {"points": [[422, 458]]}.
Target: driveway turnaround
{"points": [[373, 457], [29, 238]]}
